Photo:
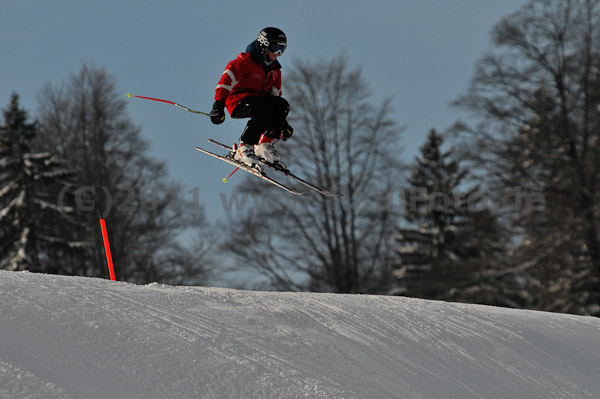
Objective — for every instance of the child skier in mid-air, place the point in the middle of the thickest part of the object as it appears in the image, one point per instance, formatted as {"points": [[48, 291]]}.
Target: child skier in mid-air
{"points": [[250, 87]]}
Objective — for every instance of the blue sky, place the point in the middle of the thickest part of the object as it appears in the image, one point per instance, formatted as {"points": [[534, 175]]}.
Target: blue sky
{"points": [[421, 53]]}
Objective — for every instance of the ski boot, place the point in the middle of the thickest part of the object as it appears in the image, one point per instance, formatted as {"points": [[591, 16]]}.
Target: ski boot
{"points": [[245, 154], [266, 151]]}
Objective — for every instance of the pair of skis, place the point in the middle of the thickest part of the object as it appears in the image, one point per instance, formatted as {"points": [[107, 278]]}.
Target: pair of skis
{"points": [[258, 172]]}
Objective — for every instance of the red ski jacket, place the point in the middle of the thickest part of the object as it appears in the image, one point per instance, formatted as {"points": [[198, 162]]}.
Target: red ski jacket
{"points": [[245, 77]]}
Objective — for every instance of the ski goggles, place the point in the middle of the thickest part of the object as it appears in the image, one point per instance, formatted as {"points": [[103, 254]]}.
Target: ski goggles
{"points": [[277, 48]]}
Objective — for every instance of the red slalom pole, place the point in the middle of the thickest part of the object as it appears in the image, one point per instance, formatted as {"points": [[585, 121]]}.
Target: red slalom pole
{"points": [[111, 270]]}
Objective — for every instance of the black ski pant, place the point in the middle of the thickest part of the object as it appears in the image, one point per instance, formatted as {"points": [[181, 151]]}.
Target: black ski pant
{"points": [[267, 115]]}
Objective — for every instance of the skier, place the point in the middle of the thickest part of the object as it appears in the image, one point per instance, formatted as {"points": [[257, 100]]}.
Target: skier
{"points": [[250, 87]]}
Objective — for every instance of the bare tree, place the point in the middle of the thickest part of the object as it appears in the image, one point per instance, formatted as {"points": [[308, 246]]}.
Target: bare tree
{"points": [[344, 143], [537, 96]]}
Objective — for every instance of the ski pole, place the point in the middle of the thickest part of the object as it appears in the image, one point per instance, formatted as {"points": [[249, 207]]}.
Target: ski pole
{"points": [[169, 102], [231, 174]]}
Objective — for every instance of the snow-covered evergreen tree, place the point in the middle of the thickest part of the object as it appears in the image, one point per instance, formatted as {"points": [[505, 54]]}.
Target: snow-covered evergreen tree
{"points": [[36, 230], [450, 232]]}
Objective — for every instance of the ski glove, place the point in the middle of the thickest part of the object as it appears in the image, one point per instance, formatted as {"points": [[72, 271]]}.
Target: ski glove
{"points": [[217, 114], [286, 131]]}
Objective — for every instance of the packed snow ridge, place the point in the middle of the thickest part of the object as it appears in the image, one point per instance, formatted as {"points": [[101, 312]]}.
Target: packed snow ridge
{"points": [[73, 337]]}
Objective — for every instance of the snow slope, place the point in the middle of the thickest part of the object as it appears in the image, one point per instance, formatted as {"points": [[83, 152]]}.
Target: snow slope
{"points": [[69, 337]]}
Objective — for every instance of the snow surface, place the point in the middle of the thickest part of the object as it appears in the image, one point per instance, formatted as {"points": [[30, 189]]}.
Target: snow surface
{"points": [[72, 337]]}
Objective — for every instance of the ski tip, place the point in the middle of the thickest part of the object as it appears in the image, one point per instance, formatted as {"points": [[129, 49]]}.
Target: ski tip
{"points": [[129, 95], [224, 180]]}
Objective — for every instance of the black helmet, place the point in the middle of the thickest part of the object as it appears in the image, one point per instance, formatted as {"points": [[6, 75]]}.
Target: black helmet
{"points": [[272, 39]]}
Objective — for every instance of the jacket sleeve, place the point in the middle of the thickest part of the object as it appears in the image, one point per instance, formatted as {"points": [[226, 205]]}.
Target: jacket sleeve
{"points": [[276, 88], [231, 76]]}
